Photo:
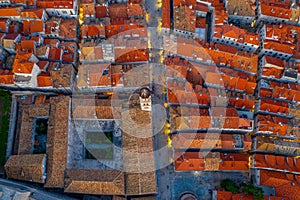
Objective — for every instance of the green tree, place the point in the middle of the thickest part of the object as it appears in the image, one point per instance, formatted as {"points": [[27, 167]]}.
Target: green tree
{"points": [[230, 186], [257, 192]]}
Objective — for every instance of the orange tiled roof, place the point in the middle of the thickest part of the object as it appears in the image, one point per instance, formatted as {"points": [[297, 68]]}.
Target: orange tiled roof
{"points": [[32, 26], [185, 18], [6, 77], [276, 62], [68, 28], [22, 63], [221, 15], [276, 162], [118, 11], [88, 8], [184, 2], [282, 33], [242, 196], [101, 11], [196, 161], [51, 42], [230, 82], [3, 24], [279, 47], [224, 195], [35, 13], [134, 9], [55, 54], [130, 55], [52, 26], [284, 186], [200, 22], [241, 103], [92, 30], [10, 11], [44, 80], [91, 75], [246, 63], [199, 6], [57, 4], [91, 52], [234, 32], [276, 11], [28, 45], [276, 3], [166, 15], [190, 140]]}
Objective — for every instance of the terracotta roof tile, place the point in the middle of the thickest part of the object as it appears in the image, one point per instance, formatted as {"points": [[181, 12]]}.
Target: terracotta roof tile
{"points": [[125, 30], [275, 3], [224, 195], [28, 45], [134, 9], [166, 14], [241, 8], [44, 80], [118, 11], [32, 26], [93, 75], [94, 182], [276, 162], [276, 11], [101, 11], [6, 77], [68, 29], [57, 4], [199, 6], [22, 63], [195, 161], [283, 186], [130, 55], [279, 47], [57, 141], [201, 22], [234, 32], [10, 11], [185, 18], [35, 13], [242, 196], [282, 33], [91, 52], [88, 9], [27, 167], [92, 31], [198, 141], [55, 54], [3, 24]]}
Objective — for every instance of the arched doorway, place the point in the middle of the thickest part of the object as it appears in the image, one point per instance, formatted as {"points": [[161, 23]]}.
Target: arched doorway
{"points": [[188, 196]]}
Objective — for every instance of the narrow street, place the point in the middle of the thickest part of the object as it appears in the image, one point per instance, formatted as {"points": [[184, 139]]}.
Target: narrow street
{"points": [[13, 186], [158, 72]]}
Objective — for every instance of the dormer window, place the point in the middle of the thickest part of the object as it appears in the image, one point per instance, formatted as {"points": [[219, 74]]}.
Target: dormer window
{"points": [[272, 10]]}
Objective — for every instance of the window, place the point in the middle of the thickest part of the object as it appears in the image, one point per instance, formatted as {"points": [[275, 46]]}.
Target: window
{"points": [[105, 72]]}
